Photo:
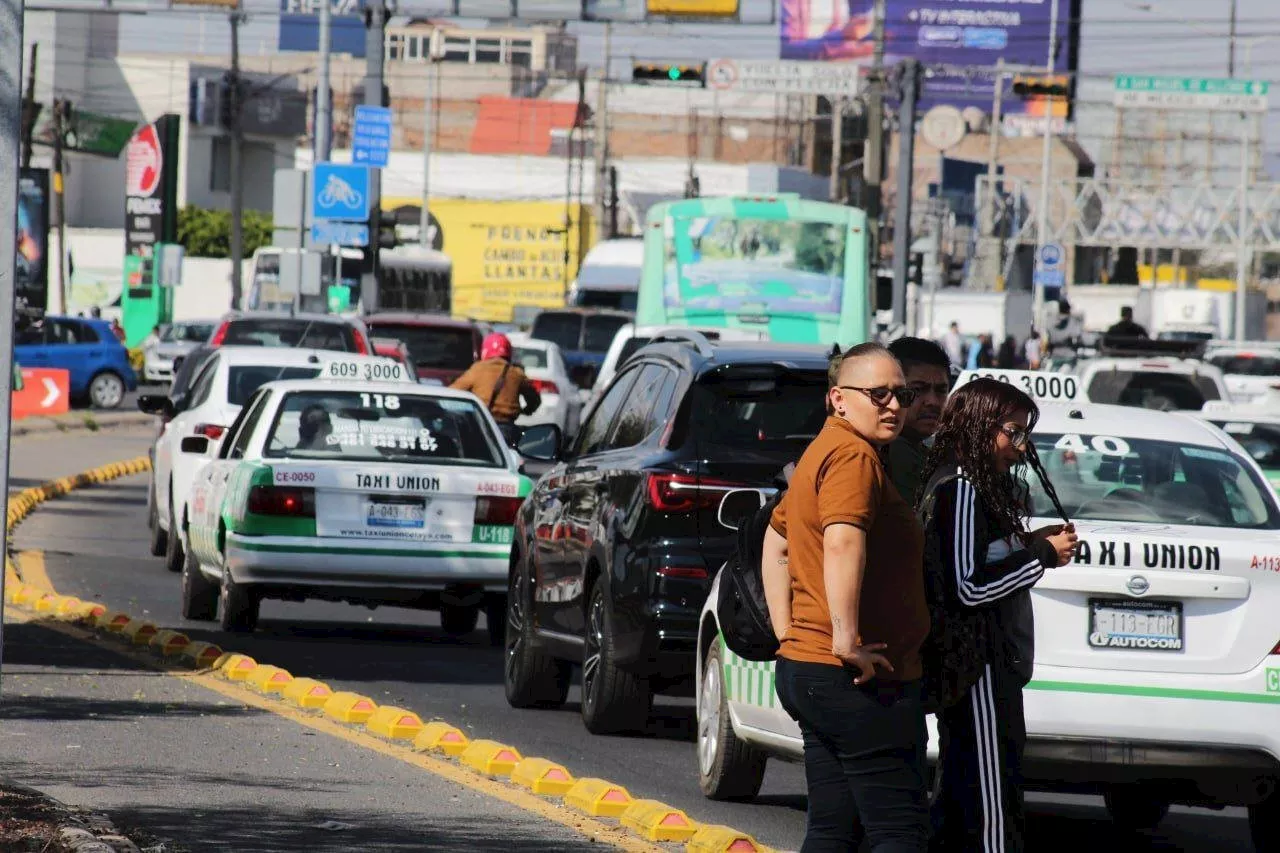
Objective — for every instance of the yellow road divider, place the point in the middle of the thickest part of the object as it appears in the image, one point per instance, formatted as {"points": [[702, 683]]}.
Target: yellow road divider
{"points": [[437, 736], [598, 798], [268, 679], [169, 643], [658, 821], [139, 632], [542, 777], [27, 594], [114, 621], [237, 667], [47, 603], [723, 839], [202, 655], [347, 707], [307, 692], [394, 723], [490, 757], [68, 607]]}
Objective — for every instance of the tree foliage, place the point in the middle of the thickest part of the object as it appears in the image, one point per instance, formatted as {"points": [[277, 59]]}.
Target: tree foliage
{"points": [[206, 233]]}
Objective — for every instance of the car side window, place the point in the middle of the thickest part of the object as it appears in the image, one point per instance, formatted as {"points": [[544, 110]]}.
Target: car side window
{"points": [[636, 421], [30, 336], [245, 425], [61, 332], [86, 334], [592, 438], [203, 384]]}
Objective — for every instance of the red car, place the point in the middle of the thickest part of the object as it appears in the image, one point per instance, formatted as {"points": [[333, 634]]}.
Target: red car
{"points": [[440, 347]]}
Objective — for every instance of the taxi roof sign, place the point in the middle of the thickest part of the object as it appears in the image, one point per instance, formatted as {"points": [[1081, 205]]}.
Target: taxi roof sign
{"points": [[1036, 384], [364, 369]]}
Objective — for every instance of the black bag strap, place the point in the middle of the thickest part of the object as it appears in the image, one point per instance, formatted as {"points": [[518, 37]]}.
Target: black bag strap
{"points": [[498, 387]]}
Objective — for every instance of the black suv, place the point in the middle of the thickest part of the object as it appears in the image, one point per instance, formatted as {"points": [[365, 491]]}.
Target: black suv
{"points": [[616, 547]]}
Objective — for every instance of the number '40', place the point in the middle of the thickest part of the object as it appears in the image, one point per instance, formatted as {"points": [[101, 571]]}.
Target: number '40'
{"points": [[381, 401]]}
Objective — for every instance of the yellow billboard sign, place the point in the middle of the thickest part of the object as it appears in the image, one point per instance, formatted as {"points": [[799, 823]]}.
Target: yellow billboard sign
{"points": [[698, 8], [509, 253]]}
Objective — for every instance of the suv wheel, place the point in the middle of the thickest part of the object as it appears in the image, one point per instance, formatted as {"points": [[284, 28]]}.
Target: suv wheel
{"points": [[1264, 823], [1135, 807], [531, 678], [159, 538], [106, 390], [239, 605], [458, 621], [199, 594], [613, 700], [728, 769], [173, 550]]}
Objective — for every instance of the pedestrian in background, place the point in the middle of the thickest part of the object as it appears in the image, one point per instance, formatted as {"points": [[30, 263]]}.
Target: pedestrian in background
{"points": [[976, 512], [1031, 350], [927, 372], [849, 666], [953, 344], [986, 352], [1007, 357]]}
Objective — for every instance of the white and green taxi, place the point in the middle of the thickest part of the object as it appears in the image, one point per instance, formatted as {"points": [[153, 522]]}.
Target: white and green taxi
{"points": [[1157, 668], [348, 490]]}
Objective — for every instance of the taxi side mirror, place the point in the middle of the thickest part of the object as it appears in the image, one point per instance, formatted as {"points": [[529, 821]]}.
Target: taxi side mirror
{"points": [[197, 445], [540, 443]]}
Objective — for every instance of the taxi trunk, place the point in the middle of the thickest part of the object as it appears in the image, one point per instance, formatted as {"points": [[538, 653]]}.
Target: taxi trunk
{"points": [[1161, 598]]}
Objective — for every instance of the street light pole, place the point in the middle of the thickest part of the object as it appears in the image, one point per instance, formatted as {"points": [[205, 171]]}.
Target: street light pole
{"points": [[1042, 222], [324, 118]]}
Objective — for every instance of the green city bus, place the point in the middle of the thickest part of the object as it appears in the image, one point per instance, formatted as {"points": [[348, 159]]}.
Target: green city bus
{"points": [[795, 268]]}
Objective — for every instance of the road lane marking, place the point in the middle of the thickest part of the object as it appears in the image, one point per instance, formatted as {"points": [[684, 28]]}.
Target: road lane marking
{"points": [[21, 505]]}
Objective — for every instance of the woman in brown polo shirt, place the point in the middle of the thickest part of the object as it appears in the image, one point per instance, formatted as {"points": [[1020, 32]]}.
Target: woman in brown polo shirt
{"points": [[849, 667]]}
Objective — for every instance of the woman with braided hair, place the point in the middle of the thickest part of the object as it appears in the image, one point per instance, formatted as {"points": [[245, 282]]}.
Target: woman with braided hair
{"points": [[976, 510]]}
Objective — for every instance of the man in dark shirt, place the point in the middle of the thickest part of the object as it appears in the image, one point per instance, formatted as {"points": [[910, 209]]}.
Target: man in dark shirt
{"points": [[927, 370], [1126, 328]]}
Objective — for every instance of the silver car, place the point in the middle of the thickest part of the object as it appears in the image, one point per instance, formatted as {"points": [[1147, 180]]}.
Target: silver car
{"points": [[176, 340]]}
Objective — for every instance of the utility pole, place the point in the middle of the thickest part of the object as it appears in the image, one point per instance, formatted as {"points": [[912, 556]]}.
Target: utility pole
{"points": [[613, 201], [1242, 232], [428, 108], [375, 18], [1042, 222], [29, 108], [873, 150], [837, 146], [324, 115], [61, 110], [1231, 42], [601, 149], [10, 132], [237, 177], [906, 166]]}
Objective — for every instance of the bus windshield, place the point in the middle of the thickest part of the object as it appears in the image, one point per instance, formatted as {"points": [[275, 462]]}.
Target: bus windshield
{"points": [[794, 269]]}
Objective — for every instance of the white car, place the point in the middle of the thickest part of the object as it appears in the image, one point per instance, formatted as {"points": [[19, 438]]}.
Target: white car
{"points": [[1160, 382], [176, 341], [1251, 372], [544, 365], [1256, 426], [220, 387], [370, 493], [1157, 673]]}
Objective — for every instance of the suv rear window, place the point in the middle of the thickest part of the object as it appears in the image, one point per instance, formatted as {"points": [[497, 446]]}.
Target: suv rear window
{"points": [[782, 413], [446, 347], [561, 328], [243, 381], [289, 332], [1146, 390], [599, 331]]}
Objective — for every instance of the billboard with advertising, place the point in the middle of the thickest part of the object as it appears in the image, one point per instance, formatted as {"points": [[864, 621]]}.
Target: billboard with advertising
{"points": [[32, 262], [300, 26], [959, 42]]}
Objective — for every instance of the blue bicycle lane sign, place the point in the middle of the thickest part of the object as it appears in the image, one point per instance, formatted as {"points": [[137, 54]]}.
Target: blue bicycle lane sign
{"points": [[340, 191]]}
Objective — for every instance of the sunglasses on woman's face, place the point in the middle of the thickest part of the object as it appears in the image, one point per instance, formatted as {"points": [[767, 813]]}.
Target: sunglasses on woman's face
{"points": [[882, 395]]}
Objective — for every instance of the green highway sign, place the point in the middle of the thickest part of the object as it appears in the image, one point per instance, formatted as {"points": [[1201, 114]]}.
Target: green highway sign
{"points": [[1190, 93]]}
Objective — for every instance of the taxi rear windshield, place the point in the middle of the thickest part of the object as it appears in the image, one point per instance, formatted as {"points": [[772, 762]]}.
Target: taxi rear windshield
{"points": [[1165, 392], [1108, 478], [353, 426]]}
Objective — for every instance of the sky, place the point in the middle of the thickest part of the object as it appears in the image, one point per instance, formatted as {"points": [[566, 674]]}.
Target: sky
{"points": [[1173, 37]]}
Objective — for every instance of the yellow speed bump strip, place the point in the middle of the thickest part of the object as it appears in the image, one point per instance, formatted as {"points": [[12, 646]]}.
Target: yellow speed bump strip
{"points": [[490, 757], [598, 798], [542, 777], [722, 839], [170, 643], [347, 707], [307, 692], [237, 667], [139, 632], [48, 603], [28, 594], [437, 736], [203, 655], [658, 821], [268, 679], [394, 723], [68, 608], [114, 622]]}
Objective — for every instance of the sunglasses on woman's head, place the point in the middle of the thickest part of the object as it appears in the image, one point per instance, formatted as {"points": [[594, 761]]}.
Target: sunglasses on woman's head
{"points": [[881, 395]]}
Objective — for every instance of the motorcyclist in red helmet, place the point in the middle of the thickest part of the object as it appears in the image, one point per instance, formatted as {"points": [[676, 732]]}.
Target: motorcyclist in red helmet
{"points": [[501, 385]]}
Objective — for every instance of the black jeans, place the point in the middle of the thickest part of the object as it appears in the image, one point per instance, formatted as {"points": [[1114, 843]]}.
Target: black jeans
{"points": [[864, 752]]}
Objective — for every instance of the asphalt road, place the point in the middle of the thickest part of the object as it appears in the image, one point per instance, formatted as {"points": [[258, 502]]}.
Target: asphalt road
{"points": [[96, 548]]}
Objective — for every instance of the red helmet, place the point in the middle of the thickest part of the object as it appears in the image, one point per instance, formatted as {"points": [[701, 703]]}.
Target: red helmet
{"points": [[496, 345]]}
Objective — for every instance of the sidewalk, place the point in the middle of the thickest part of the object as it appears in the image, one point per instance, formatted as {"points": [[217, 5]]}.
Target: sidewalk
{"points": [[184, 764]]}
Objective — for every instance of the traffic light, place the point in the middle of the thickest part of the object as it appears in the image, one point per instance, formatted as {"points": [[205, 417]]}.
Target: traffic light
{"points": [[386, 235], [663, 74], [1051, 87]]}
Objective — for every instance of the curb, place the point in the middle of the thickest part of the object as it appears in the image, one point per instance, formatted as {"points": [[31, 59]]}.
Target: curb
{"points": [[78, 421], [646, 821]]}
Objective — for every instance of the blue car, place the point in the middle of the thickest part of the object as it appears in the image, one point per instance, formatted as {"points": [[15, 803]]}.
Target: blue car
{"points": [[88, 349]]}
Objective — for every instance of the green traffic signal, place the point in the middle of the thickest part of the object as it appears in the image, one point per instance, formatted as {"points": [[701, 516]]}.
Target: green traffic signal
{"points": [[673, 73]]}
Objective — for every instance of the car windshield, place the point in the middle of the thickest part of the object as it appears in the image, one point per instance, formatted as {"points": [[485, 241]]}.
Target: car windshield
{"points": [[243, 381], [600, 330], [352, 426], [289, 332], [441, 347], [1261, 441], [561, 328], [1152, 390], [529, 358], [1108, 478], [187, 333], [1247, 365], [760, 414]]}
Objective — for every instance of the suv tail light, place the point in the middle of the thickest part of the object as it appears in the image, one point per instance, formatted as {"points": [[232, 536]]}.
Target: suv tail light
{"points": [[273, 500], [213, 431], [499, 511], [220, 335], [544, 386], [686, 492], [362, 345]]}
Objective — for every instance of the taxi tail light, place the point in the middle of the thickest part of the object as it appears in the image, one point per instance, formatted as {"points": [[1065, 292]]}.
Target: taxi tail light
{"points": [[686, 492], [274, 500], [210, 431], [220, 335], [498, 511], [544, 386]]}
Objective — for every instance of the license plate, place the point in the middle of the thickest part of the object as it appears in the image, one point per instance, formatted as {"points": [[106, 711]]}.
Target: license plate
{"points": [[1136, 625], [400, 514]]}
